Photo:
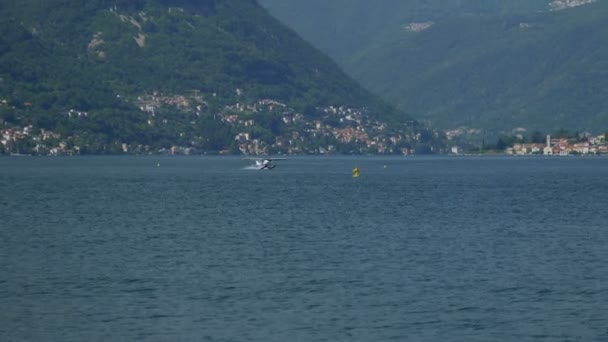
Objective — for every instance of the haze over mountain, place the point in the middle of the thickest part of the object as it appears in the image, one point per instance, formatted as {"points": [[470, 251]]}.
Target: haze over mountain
{"points": [[489, 64], [160, 73], [346, 27]]}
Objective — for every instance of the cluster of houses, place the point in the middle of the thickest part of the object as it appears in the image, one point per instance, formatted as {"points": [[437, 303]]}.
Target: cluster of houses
{"points": [[341, 124], [44, 142], [562, 147], [558, 5], [333, 125], [331, 128], [150, 103]]}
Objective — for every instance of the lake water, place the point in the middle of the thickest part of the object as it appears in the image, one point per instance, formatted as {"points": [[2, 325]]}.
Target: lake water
{"points": [[202, 249]]}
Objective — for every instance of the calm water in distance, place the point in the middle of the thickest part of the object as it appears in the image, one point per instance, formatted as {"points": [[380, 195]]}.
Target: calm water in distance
{"points": [[203, 249]]}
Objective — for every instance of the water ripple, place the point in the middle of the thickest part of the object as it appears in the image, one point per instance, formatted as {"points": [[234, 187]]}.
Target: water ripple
{"points": [[436, 249]]}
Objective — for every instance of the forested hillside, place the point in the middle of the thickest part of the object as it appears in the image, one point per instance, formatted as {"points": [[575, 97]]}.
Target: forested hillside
{"points": [[539, 72], [494, 65], [115, 74], [232, 44], [346, 27]]}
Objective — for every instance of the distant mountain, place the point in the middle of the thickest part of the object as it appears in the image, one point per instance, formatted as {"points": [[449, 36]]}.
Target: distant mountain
{"points": [[495, 65], [114, 74], [345, 27]]}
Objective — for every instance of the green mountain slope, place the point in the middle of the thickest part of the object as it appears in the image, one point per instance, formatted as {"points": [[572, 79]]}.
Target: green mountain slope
{"points": [[540, 72], [238, 46], [164, 72], [495, 68], [345, 27]]}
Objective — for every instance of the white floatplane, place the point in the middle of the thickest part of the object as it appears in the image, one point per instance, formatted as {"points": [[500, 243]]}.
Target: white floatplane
{"points": [[265, 163]]}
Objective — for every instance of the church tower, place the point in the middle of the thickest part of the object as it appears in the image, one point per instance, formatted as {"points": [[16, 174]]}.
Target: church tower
{"points": [[548, 151]]}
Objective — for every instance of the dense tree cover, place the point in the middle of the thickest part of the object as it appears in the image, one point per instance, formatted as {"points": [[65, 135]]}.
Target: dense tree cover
{"points": [[98, 56], [488, 64], [344, 28], [539, 72]]}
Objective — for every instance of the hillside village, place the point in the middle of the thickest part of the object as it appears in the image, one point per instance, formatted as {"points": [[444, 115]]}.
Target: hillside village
{"points": [[263, 126], [591, 145], [268, 126], [332, 126], [329, 130], [517, 143], [558, 5]]}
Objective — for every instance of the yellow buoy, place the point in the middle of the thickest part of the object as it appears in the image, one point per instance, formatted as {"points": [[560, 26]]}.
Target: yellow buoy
{"points": [[356, 172]]}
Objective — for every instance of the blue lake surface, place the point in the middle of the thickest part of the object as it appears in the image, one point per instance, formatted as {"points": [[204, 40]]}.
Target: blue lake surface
{"points": [[203, 249]]}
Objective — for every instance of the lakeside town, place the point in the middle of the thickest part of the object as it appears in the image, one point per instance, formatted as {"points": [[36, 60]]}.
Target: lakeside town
{"points": [[260, 127], [329, 130], [519, 143], [592, 145], [53, 144]]}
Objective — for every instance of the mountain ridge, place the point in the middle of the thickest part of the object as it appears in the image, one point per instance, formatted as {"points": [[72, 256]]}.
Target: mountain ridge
{"points": [[530, 71], [494, 68], [161, 73]]}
